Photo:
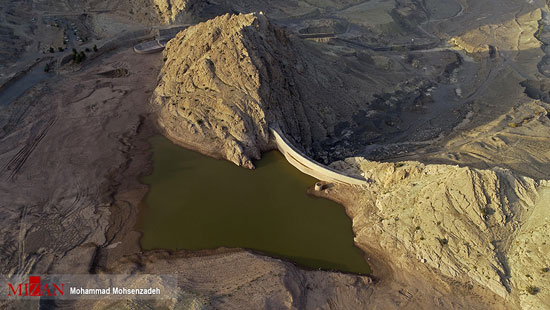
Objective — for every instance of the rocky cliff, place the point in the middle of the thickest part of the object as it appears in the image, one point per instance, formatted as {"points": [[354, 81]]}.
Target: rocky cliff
{"points": [[169, 11], [225, 81], [473, 226]]}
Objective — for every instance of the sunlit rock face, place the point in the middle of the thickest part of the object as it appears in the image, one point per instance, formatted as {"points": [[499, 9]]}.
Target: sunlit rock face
{"points": [[225, 81], [482, 226]]}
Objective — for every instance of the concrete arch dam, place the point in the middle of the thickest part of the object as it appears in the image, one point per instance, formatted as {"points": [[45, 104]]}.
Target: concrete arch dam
{"points": [[308, 166]]}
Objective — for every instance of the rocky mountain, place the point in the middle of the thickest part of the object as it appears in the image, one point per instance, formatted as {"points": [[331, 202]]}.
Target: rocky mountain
{"points": [[487, 227], [226, 80], [467, 233], [177, 11]]}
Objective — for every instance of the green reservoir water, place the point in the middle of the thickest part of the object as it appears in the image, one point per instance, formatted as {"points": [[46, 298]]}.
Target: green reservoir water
{"points": [[196, 202]]}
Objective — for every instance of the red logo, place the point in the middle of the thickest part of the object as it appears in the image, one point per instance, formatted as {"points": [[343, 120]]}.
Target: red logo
{"points": [[35, 287]]}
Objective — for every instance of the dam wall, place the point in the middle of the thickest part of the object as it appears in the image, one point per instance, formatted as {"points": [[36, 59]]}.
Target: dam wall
{"points": [[308, 166]]}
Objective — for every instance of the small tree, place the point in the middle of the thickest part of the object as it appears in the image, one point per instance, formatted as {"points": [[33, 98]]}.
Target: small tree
{"points": [[78, 57], [47, 68], [52, 50], [95, 48]]}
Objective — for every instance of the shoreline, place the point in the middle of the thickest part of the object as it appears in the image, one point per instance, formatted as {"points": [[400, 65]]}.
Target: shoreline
{"points": [[157, 130]]}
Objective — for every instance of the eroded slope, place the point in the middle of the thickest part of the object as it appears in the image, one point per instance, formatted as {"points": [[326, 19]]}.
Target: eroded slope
{"points": [[225, 81], [472, 226]]}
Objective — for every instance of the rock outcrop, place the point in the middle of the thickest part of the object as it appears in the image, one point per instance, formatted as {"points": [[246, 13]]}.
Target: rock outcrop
{"points": [[233, 279], [471, 225], [170, 11], [224, 81], [514, 34]]}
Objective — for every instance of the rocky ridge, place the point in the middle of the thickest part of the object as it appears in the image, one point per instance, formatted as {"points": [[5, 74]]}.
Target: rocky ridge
{"points": [[471, 225], [215, 92], [226, 80], [169, 11]]}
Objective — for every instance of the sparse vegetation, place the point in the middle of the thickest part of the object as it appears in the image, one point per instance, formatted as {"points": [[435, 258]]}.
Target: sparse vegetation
{"points": [[52, 50], [545, 269], [60, 49], [95, 48], [47, 68], [533, 290], [486, 211], [443, 241], [78, 57], [87, 50]]}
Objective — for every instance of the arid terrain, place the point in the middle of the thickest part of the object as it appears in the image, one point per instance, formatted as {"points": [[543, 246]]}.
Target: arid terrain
{"points": [[441, 106]]}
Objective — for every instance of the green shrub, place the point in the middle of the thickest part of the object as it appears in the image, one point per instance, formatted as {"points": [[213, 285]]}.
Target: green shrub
{"points": [[52, 50], [95, 48], [78, 57], [47, 68]]}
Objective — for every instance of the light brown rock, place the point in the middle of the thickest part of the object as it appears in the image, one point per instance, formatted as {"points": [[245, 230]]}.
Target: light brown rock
{"points": [[465, 224]]}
